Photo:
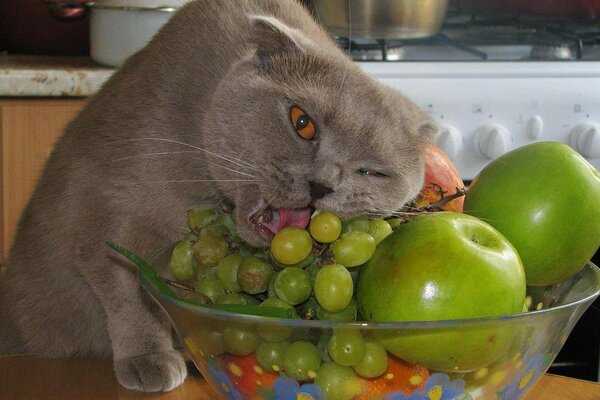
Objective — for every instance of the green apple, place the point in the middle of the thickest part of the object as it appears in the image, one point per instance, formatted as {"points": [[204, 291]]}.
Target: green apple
{"points": [[545, 199], [443, 266]]}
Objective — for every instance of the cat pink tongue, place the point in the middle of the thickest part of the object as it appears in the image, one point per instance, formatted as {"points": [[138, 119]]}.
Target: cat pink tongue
{"points": [[284, 217]]}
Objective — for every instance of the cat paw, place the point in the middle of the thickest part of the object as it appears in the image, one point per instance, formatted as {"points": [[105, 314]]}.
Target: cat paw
{"points": [[160, 372]]}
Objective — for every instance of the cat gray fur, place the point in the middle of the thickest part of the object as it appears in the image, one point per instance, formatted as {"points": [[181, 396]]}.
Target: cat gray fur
{"points": [[220, 76]]}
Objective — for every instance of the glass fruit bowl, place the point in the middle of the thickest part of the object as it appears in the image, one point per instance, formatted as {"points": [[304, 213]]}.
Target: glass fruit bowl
{"points": [[256, 357]]}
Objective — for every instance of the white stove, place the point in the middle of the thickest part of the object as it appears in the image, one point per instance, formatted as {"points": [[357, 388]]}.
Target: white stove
{"points": [[485, 109], [496, 83]]}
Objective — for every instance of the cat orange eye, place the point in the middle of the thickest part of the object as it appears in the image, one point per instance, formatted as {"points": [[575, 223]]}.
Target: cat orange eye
{"points": [[302, 123]]}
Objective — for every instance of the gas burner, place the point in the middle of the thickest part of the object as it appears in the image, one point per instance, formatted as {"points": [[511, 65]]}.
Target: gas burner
{"points": [[472, 38], [372, 50]]}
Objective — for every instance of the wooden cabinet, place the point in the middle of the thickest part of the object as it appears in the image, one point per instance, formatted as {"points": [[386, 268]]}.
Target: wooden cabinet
{"points": [[28, 130]]}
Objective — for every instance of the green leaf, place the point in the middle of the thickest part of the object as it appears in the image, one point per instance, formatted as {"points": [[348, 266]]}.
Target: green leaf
{"points": [[145, 269]]}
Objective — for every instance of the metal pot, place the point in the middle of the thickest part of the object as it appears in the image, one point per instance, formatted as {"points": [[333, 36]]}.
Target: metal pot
{"points": [[380, 19], [119, 28]]}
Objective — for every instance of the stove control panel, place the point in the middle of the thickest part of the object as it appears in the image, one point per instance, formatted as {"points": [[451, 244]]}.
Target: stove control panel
{"points": [[585, 138], [487, 109]]}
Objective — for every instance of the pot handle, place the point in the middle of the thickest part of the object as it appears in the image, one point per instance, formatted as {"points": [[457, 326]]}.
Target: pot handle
{"points": [[68, 11]]}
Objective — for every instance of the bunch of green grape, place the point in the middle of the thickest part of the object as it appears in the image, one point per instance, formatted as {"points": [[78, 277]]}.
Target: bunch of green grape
{"points": [[311, 270]]}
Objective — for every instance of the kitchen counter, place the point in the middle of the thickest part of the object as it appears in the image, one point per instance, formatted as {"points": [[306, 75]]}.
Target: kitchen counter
{"points": [[25, 377], [43, 76]]}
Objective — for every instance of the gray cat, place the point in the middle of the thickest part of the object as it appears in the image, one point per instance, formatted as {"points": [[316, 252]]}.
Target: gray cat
{"points": [[248, 100]]}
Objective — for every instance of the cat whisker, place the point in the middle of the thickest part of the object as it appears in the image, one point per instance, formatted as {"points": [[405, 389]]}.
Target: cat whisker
{"points": [[200, 180], [147, 155], [154, 154], [233, 160]]}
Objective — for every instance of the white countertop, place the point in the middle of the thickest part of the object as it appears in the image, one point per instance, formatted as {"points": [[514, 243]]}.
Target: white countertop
{"points": [[44, 76]]}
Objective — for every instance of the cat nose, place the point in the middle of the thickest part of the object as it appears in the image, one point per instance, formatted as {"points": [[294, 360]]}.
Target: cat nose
{"points": [[318, 191]]}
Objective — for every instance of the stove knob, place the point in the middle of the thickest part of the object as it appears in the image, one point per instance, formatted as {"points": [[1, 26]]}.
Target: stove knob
{"points": [[492, 140], [585, 138], [449, 140], [535, 127]]}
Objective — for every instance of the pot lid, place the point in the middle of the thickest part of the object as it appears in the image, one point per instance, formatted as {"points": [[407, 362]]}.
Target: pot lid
{"points": [[139, 4]]}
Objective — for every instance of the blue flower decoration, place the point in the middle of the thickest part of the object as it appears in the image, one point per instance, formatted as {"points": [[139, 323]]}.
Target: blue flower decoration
{"points": [[289, 389], [438, 387], [224, 385], [525, 378], [419, 395]]}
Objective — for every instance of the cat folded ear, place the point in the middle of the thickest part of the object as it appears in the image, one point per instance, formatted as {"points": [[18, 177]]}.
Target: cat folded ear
{"points": [[272, 36]]}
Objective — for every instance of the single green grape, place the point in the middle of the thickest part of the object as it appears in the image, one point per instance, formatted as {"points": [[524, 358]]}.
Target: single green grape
{"points": [[275, 302], [293, 285], [211, 287], [346, 347], [181, 264], [358, 224], [216, 230], [375, 361], [198, 218], [348, 314], [227, 271], [210, 249], [307, 262], [353, 248], [379, 229], [291, 245], [275, 333], [209, 342], [197, 298], [232, 298], [325, 227], [301, 360], [334, 287], [240, 341], [395, 222], [270, 355], [338, 382], [254, 274]]}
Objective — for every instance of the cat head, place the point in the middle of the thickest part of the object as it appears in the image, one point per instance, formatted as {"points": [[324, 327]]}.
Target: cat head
{"points": [[302, 126]]}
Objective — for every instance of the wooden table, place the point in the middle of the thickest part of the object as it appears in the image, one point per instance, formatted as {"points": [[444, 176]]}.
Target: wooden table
{"points": [[23, 377]]}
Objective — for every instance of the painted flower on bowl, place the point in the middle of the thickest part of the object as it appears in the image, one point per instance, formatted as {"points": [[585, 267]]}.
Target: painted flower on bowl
{"points": [[223, 384], [438, 387], [289, 389], [536, 366]]}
